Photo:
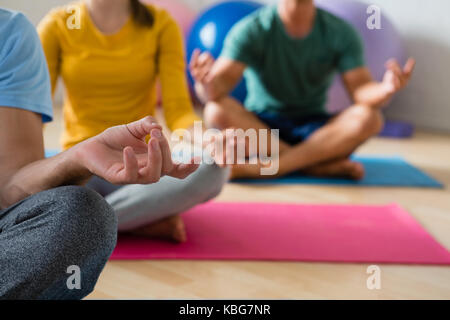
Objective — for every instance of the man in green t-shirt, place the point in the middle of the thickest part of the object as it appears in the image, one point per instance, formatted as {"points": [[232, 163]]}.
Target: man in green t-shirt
{"points": [[288, 54]]}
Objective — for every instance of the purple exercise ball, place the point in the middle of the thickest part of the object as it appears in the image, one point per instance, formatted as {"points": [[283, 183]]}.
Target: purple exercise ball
{"points": [[379, 44]]}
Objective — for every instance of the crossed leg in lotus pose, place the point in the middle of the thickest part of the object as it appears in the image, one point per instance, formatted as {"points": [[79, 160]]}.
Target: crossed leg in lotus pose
{"points": [[324, 153]]}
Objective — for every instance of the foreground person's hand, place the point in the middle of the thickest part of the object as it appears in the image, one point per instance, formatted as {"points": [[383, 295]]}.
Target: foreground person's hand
{"points": [[120, 154]]}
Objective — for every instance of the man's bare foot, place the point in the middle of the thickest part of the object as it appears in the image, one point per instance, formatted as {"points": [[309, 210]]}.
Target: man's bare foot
{"points": [[338, 168], [170, 229]]}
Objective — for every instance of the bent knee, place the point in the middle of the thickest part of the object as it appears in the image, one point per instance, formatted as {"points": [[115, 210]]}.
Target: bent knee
{"points": [[222, 113], [87, 219], [218, 178], [367, 121], [78, 229], [215, 115], [209, 180]]}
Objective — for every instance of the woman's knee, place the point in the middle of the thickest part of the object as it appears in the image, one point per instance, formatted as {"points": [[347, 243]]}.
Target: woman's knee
{"points": [[210, 179]]}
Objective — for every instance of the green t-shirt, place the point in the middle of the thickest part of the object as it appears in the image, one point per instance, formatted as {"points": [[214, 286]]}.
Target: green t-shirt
{"points": [[288, 75]]}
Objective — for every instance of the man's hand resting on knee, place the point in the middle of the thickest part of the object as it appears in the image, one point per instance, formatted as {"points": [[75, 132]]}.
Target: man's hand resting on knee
{"points": [[364, 90]]}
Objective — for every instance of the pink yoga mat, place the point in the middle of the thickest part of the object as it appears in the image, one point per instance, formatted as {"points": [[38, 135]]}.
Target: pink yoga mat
{"points": [[287, 232]]}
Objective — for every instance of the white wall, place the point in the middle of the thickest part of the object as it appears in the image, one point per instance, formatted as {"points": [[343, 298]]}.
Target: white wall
{"points": [[425, 26], [35, 10]]}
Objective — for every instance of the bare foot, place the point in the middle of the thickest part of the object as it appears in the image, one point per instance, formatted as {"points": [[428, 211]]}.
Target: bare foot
{"points": [[339, 168], [170, 229]]}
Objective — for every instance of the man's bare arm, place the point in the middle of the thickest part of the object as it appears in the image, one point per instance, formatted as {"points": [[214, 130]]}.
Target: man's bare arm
{"points": [[363, 89]]}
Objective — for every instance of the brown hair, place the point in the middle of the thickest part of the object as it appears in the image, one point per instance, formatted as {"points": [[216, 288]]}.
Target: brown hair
{"points": [[141, 15]]}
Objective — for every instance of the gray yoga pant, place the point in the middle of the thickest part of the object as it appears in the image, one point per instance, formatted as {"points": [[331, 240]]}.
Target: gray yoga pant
{"points": [[45, 234]]}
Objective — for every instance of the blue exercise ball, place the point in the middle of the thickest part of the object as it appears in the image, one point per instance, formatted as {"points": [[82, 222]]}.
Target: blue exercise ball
{"points": [[212, 26]]}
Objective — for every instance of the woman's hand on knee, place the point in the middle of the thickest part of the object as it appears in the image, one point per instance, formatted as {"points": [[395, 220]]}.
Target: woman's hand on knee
{"points": [[120, 154]]}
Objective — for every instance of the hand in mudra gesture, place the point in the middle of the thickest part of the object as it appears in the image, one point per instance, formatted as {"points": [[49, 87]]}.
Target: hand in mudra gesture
{"points": [[396, 77], [120, 154]]}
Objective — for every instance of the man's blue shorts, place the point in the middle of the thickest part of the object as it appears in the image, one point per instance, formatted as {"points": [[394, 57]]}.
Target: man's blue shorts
{"points": [[293, 130]]}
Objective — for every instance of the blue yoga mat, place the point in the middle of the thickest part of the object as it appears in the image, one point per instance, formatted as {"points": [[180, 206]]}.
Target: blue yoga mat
{"points": [[390, 172], [50, 153]]}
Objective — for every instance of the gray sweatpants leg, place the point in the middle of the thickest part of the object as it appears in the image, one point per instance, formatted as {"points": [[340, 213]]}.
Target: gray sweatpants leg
{"points": [[41, 236], [140, 205]]}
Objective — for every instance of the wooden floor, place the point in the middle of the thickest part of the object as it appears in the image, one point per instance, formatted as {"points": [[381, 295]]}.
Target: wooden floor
{"points": [[286, 280]]}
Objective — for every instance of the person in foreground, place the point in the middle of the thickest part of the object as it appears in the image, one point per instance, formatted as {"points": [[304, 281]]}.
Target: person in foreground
{"points": [[47, 222], [289, 53], [110, 61]]}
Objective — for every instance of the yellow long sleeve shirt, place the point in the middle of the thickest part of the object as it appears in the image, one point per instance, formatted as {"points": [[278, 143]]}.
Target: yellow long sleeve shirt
{"points": [[111, 79]]}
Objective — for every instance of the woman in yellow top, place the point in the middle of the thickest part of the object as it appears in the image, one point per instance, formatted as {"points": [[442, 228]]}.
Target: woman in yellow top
{"points": [[110, 53]]}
